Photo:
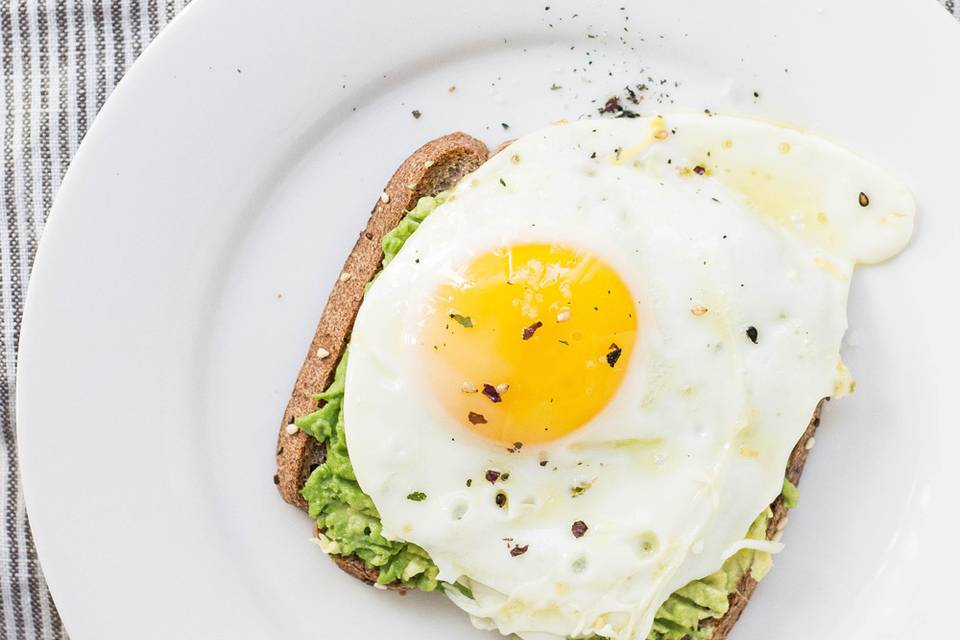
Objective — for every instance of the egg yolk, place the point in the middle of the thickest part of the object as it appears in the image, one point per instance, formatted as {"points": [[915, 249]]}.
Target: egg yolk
{"points": [[529, 342]]}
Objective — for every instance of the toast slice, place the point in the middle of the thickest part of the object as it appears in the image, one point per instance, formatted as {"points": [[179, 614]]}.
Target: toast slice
{"points": [[434, 167]]}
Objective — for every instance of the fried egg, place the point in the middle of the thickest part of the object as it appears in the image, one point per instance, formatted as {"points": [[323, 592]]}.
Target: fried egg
{"points": [[580, 380]]}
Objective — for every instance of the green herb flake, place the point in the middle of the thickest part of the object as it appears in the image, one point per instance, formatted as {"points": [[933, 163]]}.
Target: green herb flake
{"points": [[579, 489], [463, 321], [417, 496]]}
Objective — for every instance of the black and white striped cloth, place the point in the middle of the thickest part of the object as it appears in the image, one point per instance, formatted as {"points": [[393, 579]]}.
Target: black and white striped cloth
{"points": [[61, 59]]}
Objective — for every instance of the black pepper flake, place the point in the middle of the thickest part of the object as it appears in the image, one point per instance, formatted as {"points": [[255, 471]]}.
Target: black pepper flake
{"points": [[491, 392], [491, 475], [543, 463], [476, 418], [276, 479], [463, 321], [416, 114], [502, 183], [417, 496], [532, 329], [519, 550], [578, 529], [500, 499], [864, 200], [627, 113], [504, 125], [555, 87], [469, 481], [505, 477], [613, 355], [752, 334], [699, 170], [593, 155]]}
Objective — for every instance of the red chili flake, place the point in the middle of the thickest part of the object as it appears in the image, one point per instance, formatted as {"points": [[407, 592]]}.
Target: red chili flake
{"points": [[476, 418], [699, 170], [492, 475], [500, 499], [532, 329], [614, 354], [519, 550], [491, 392], [611, 106], [516, 447], [578, 528]]}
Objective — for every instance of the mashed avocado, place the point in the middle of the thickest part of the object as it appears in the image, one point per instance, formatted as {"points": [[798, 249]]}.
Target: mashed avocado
{"points": [[351, 525], [344, 513]]}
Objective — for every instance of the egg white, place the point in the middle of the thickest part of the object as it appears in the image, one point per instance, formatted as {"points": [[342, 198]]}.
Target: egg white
{"points": [[694, 444]]}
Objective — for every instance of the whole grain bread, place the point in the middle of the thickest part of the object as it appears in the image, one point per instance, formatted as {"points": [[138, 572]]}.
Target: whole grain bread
{"points": [[434, 167]]}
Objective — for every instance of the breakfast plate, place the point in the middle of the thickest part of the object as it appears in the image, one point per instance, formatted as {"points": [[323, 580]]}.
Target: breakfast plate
{"points": [[198, 232]]}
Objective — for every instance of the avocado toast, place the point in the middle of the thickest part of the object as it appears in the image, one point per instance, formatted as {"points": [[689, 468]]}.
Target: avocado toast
{"points": [[314, 471]]}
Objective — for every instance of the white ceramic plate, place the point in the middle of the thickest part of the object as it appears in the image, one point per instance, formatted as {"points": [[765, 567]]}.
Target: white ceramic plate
{"points": [[197, 234]]}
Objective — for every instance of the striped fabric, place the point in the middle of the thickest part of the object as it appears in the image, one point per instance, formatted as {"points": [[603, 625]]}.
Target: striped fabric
{"points": [[61, 59]]}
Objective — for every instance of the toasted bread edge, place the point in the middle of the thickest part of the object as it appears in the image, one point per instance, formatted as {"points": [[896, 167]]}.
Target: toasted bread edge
{"points": [[436, 166]]}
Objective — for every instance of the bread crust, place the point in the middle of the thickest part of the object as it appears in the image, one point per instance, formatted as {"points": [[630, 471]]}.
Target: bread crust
{"points": [[434, 167]]}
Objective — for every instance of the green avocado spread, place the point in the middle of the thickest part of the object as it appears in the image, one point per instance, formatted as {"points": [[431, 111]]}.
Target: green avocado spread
{"points": [[350, 525]]}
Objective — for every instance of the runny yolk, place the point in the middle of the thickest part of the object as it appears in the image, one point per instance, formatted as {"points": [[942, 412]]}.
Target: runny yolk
{"points": [[529, 342]]}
